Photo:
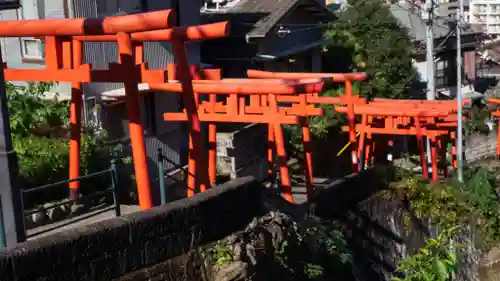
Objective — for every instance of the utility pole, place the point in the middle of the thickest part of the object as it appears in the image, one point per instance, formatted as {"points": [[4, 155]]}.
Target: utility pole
{"points": [[10, 194], [458, 33], [428, 16]]}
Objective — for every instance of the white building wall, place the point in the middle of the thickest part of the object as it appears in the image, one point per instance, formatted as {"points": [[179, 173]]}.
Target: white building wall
{"points": [[486, 14]]}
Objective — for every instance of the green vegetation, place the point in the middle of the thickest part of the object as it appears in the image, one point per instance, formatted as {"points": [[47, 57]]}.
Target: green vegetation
{"points": [[39, 129], [445, 213], [364, 37], [315, 250], [374, 42], [448, 207], [478, 116], [221, 254], [436, 261], [449, 204]]}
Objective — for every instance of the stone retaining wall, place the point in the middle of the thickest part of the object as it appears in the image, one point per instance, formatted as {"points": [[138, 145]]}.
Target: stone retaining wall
{"points": [[136, 243], [479, 147]]}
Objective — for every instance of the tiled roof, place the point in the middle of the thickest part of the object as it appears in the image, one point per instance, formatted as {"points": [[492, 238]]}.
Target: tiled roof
{"points": [[270, 11]]}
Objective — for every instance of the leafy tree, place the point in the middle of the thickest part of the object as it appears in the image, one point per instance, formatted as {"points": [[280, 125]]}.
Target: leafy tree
{"points": [[375, 42], [40, 136], [29, 110], [365, 37]]}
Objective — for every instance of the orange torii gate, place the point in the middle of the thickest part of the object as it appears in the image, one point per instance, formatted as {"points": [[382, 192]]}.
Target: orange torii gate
{"points": [[64, 36], [397, 121], [259, 105], [496, 114], [349, 99], [173, 71], [233, 111], [449, 122]]}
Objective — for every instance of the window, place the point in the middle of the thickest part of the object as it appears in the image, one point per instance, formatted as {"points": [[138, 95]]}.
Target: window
{"points": [[149, 113], [32, 48], [442, 73]]}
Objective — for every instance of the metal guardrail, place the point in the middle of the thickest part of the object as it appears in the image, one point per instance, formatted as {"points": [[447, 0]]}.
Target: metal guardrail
{"points": [[162, 173], [112, 171], [165, 173]]}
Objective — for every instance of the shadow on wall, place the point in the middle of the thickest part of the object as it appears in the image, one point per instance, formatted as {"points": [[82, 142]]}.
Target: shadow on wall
{"points": [[326, 163], [483, 84]]}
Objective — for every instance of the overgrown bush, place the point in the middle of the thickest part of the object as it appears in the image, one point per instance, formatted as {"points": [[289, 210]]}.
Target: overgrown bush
{"points": [[448, 208], [315, 250], [436, 261], [39, 129], [478, 115], [448, 204], [44, 160]]}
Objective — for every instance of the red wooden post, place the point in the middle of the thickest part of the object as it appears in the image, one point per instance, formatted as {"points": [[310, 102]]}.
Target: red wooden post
{"points": [[75, 122], [196, 162], [126, 59]]}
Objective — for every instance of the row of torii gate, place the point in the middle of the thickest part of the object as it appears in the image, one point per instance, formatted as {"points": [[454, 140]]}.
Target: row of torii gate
{"points": [[260, 98]]}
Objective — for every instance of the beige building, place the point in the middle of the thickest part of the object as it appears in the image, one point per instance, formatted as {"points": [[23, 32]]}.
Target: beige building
{"points": [[485, 14]]}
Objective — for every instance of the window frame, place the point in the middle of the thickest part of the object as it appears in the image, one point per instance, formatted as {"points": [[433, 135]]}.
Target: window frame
{"points": [[24, 53], [22, 41]]}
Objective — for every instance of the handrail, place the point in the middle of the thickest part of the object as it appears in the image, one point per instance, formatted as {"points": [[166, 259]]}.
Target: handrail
{"points": [[100, 192], [88, 26], [114, 183], [162, 174], [93, 175]]}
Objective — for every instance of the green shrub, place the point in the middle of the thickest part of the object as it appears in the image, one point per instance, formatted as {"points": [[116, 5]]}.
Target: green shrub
{"points": [[45, 160], [436, 261], [40, 136], [28, 110]]}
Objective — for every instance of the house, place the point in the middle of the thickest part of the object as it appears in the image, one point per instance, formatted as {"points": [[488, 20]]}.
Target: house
{"points": [[444, 48], [277, 35], [29, 53]]}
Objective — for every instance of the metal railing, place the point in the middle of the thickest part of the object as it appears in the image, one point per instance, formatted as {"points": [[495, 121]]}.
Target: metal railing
{"points": [[162, 173], [112, 172]]}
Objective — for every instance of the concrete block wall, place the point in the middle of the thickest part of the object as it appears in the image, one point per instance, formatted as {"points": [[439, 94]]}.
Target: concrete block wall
{"points": [[479, 146], [242, 151], [137, 243]]}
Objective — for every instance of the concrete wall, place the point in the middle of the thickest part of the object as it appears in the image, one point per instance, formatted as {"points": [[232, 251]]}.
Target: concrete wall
{"points": [[479, 147], [242, 151], [136, 244]]}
